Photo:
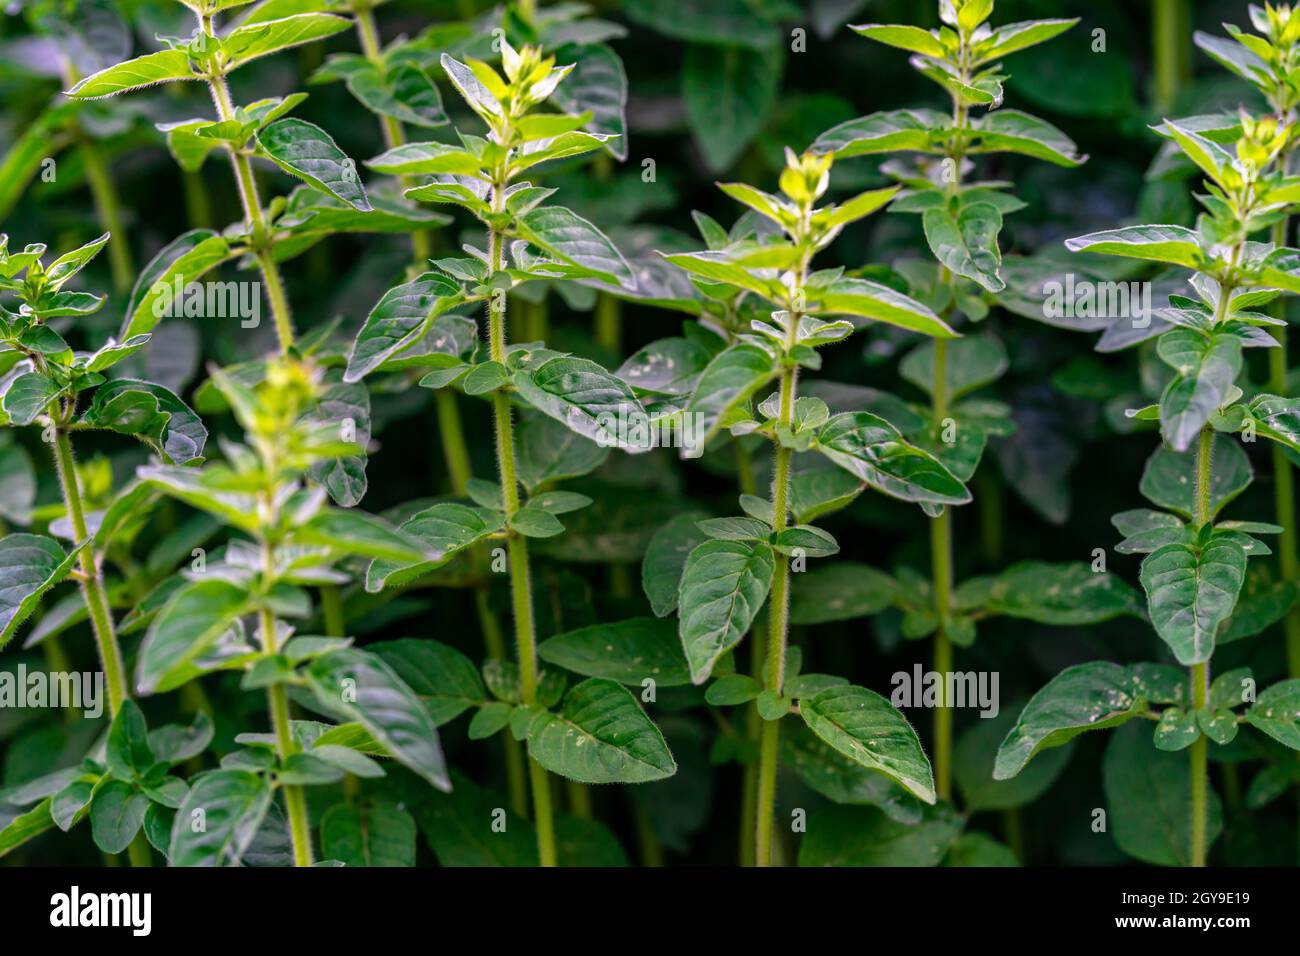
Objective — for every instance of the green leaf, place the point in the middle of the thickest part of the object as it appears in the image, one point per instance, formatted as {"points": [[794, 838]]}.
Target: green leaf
{"points": [[1206, 365], [116, 814], [1173, 244], [306, 151], [479, 98], [909, 130], [967, 241], [70, 263], [733, 689], [841, 592], [360, 533], [903, 37], [174, 743], [459, 827], [368, 834], [1012, 131], [867, 729], [362, 687], [30, 564], [445, 530], [17, 827], [1149, 798], [973, 361], [189, 623], [728, 92], [722, 588], [548, 451], [584, 397], [629, 652], [601, 735], [873, 450], [1176, 730], [974, 759], [849, 296], [148, 70], [1169, 478], [566, 235], [150, 413], [247, 42], [128, 754], [1277, 419], [1277, 713], [596, 85], [230, 804], [410, 159], [1062, 594], [729, 380], [183, 260], [1093, 696], [1191, 591], [1013, 37], [866, 836], [403, 92], [665, 557], [444, 679], [535, 522], [28, 396]]}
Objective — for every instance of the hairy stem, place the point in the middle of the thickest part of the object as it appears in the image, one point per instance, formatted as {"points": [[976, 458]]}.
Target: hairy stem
{"points": [[278, 703], [255, 219], [104, 195], [517, 551], [331, 606], [92, 582], [778, 622], [1288, 547], [609, 323], [1199, 754], [1171, 45], [394, 135], [942, 578], [110, 216]]}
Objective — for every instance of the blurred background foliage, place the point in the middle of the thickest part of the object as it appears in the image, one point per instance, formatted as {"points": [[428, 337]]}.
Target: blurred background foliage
{"points": [[717, 89]]}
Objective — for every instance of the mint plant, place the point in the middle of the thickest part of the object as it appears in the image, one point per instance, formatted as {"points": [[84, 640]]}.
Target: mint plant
{"points": [[64, 392], [1266, 62], [1194, 565], [962, 220], [291, 539], [726, 579], [335, 200], [482, 175]]}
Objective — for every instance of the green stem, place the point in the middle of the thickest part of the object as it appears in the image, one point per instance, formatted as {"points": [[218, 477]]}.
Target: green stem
{"points": [[110, 216], [255, 220], [331, 605], [394, 135], [942, 579], [609, 324], [452, 432], [104, 195], [778, 622], [652, 851], [278, 703], [56, 659], [579, 799], [1200, 677], [197, 208], [1288, 547], [1199, 760], [92, 583], [517, 550], [1170, 50], [138, 852]]}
